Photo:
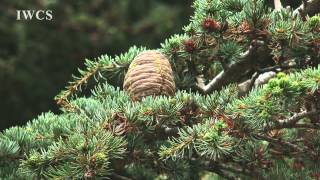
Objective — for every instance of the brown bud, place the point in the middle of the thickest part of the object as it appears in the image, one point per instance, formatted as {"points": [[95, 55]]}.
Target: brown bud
{"points": [[211, 25], [189, 46]]}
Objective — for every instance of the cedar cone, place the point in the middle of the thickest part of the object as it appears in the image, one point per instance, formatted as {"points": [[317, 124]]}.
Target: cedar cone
{"points": [[149, 73]]}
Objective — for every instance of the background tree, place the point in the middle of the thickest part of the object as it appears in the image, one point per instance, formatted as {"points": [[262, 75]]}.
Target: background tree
{"points": [[228, 118]]}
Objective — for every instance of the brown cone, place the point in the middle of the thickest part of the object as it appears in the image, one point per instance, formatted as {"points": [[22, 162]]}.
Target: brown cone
{"points": [[149, 73]]}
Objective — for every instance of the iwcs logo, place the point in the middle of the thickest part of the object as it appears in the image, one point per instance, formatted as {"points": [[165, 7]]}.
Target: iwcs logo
{"points": [[34, 14]]}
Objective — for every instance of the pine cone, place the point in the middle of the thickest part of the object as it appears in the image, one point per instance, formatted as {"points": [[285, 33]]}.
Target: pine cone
{"points": [[149, 73]]}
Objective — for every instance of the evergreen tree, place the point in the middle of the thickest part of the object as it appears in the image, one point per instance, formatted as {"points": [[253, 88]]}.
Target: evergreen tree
{"points": [[37, 57], [247, 106]]}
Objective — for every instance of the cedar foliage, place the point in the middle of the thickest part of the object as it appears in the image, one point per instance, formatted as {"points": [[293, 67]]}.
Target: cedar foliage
{"points": [[267, 131]]}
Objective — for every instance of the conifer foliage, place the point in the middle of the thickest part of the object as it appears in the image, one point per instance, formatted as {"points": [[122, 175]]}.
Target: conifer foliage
{"points": [[226, 119]]}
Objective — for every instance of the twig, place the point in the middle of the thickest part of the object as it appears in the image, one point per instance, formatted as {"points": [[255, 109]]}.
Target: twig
{"points": [[291, 122], [224, 175], [309, 126], [267, 69], [235, 170], [216, 168], [222, 170], [119, 177], [287, 144], [62, 99], [281, 142]]}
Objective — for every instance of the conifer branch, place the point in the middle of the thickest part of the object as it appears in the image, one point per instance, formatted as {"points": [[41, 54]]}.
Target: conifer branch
{"points": [[218, 132], [310, 7], [62, 99], [110, 66], [218, 170], [295, 118], [292, 121], [287, 144], [307, 126], [234, 72], [213, 166]]}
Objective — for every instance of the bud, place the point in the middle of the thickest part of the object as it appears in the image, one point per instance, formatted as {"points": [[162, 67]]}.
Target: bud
{"points": [[189, 46], [211, 25]]}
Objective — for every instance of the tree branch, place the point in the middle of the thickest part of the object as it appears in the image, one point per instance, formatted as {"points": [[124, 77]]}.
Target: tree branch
{"points": [[292, 121], [310, 8], [216, 168], [286, 144], [234, 72], [277, 5], [308, 126], [295, 118], [224, 170]]}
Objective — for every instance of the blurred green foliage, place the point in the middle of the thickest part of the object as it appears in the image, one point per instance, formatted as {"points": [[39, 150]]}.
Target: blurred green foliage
{"points": [[37, 58]]}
